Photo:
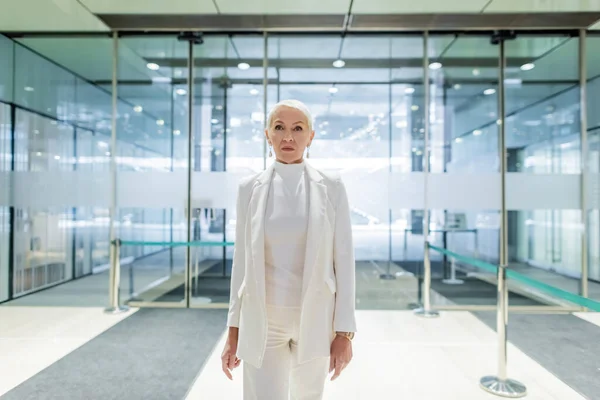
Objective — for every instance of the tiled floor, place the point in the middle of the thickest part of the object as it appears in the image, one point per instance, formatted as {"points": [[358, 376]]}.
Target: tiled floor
{"points": [[592, 317], [32, 338], [418, 359]]}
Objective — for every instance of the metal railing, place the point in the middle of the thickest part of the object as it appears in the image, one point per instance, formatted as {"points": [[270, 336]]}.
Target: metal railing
{"points": [[502, 385], [115, 306]]}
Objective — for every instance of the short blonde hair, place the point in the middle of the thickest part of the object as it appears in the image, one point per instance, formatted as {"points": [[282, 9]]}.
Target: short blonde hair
{"points": [[298, 105]]}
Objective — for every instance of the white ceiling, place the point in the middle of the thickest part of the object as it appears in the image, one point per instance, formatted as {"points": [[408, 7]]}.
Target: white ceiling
{"points": [[150, 6], [78, 15], [48, 16], [336, 6]]}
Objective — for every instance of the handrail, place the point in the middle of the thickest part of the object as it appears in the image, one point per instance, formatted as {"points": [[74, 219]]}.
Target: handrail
{"points": [[571, 297], [173, 244]]}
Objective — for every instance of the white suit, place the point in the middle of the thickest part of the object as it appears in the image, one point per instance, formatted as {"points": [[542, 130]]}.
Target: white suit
{"points": [[328, 285]]}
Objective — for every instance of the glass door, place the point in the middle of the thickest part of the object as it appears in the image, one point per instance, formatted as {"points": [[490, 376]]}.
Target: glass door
{"points": [[227, 144]]}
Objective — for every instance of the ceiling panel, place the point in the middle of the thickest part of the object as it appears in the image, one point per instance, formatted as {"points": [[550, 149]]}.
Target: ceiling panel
{"points": [[49, 16], [543, 6], [91, 58], [417, 7], [150, 7], [283, 6]]}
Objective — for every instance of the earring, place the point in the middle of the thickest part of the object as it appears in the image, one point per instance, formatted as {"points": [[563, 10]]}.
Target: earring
{"points": [[307, 151], [270, 151]]}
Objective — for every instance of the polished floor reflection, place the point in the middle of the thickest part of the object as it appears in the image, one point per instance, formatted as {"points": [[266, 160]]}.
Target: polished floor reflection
{"points": [[398, 355]]}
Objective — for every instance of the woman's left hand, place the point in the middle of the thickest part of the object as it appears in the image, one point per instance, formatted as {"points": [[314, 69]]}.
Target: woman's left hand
{"points": [[341, 354]]}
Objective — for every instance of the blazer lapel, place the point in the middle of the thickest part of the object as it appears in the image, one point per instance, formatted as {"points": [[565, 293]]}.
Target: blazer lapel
{"points": [[258, 206], [316, 218]]}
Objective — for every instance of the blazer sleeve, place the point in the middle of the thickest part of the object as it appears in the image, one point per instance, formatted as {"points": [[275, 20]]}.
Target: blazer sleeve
{"points": [[239, 260], [344, 265]]}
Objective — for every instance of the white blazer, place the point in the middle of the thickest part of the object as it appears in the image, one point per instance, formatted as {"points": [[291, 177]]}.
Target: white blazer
{"points": [[328, 290]]}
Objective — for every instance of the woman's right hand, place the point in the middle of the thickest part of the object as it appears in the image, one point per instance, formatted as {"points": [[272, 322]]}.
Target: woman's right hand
{"points": [[229, 360]]}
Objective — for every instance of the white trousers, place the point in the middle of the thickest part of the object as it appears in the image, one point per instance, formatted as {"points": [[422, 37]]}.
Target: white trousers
{"points": [[280, 376]]}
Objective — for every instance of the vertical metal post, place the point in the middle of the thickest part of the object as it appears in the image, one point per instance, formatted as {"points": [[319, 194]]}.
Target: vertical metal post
{"points": [[225, 123], [388, 275], [584, 161], [115, 270], [265, 88], [500, 385], [426, 310], [12, 210], [171, 168], [188, 225]]}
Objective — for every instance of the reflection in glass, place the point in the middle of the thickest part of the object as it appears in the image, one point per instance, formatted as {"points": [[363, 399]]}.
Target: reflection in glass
{"points": [[5, 165]]}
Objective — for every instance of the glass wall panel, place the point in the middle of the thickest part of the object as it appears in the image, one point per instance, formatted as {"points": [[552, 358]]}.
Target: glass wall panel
{"points": [[593, 125], [368, 118], [464, 150], [228, 139], [407, 146], [6, 68], [5, 166], [43, 236], [543, 139], [152, 143], [43, 86]]}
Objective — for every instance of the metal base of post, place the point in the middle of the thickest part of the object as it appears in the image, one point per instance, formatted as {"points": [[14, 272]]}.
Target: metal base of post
{"points": [[421, 312], [453, 281], [504, 388], [387, 277], [116, 310]]}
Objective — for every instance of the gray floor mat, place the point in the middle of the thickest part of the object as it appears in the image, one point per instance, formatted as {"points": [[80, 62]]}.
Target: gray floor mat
{"points": [[153, 354], [564, 344]]}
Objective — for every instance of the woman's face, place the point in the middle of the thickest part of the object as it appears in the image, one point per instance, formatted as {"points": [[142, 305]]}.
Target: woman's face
{"points": [[289, 134]]}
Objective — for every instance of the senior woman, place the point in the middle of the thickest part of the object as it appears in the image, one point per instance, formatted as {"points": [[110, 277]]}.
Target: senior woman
{"points": [[291, 313]]}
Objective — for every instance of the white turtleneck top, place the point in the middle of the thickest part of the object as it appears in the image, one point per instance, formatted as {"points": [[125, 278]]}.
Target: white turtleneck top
{"points": [[286, 225]]}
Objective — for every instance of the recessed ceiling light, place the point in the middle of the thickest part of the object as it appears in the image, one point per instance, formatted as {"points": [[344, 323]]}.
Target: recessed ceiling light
{"points": [[415, 108], [409, 90], [435, 65], [333, 90], [527, 67], [176, 132], [29, 89], [160, 122], [477, 132], [39, 154], [181, 92], [36, 132], [214, 121], [253, 92], [219, 108], [103, 145], [458, 140], [243, 66], [153, 66], [161, 79], [339, 63], [401, 124], [138, 109], [476, 72], [488, 92], [107, 153], [457, 86], [57, 157]]}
